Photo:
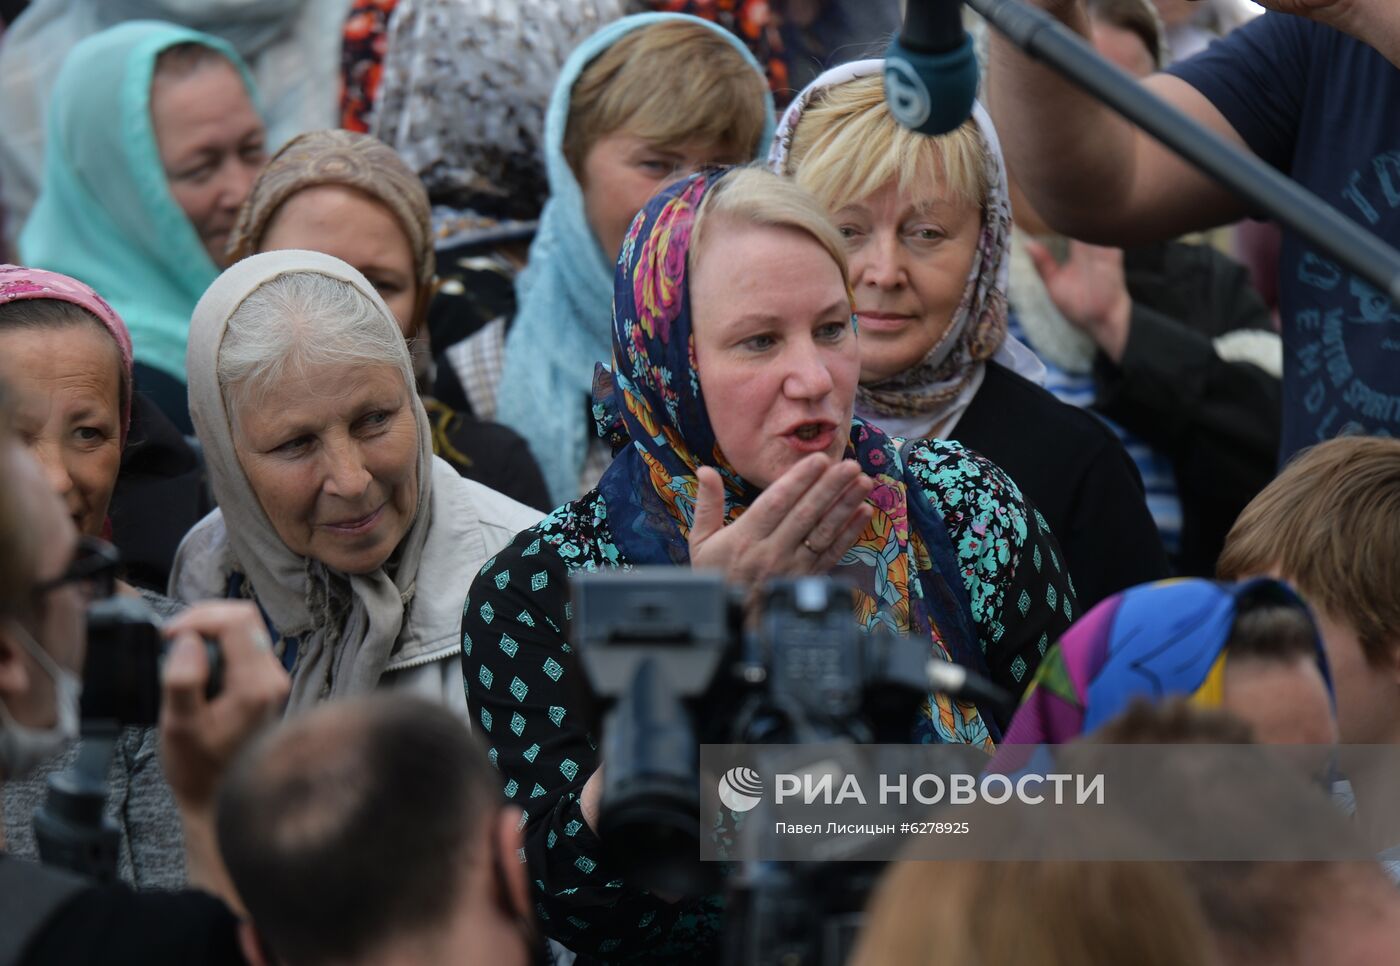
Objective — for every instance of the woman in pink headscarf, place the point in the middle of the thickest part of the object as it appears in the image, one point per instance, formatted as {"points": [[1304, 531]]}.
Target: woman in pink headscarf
{"points": [[65, 362], [76, 411], [73, 406]]}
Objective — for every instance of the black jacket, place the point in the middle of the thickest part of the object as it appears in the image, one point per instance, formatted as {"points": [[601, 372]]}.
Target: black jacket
{"points": [[160, 495], [1217, 421], [1075, 470], [54, 918]]}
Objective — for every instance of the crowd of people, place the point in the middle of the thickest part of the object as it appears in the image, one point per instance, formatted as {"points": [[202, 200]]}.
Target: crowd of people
{"points": [[356, 390]]}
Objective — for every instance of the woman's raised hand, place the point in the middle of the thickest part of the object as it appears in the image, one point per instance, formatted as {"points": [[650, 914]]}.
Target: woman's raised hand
{"points": [[802, 524]]}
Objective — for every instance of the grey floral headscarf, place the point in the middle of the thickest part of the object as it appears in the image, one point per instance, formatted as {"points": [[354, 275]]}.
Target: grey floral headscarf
{"points": [[466, 84]]}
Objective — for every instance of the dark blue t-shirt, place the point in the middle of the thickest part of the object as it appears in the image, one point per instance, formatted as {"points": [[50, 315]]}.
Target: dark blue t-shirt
{"points": [[1323, 108]]}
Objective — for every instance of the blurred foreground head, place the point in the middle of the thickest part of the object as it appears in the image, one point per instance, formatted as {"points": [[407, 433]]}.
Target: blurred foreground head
{"points": [[371, 830], [1103, 913], [1266, 913]]}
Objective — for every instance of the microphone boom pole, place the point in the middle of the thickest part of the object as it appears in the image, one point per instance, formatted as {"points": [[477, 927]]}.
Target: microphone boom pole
{"points": [[1045, 39]]}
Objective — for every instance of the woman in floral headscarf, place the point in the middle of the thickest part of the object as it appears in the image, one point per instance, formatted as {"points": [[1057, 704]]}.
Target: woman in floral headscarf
{"points": [[927, 225], [735, 364], [1200, 639]]}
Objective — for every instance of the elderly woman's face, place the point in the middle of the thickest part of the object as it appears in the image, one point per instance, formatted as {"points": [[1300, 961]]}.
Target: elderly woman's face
{"points": [[910, 258], [212, 147], [777, 358], [356, 229], [67, 386], [333, 459]]}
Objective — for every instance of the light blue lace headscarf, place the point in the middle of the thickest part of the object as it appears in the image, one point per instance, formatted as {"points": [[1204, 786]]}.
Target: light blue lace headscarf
{"points": [[105, 214], [563, 325]]}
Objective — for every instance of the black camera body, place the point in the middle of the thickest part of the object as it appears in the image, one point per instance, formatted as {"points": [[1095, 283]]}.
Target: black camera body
{"points": [[672, 662], [121, 674], [121, 687]]}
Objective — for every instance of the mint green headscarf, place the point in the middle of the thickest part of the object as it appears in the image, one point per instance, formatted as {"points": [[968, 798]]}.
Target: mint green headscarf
{"points": [[105, 214], [563, 324]]}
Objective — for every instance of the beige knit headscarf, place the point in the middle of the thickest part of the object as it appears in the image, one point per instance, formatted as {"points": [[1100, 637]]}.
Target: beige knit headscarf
{"points": [[346, 625], [341, 158]]}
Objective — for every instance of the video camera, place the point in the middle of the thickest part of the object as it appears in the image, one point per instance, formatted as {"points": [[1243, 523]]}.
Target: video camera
{"points": [[121, 687], [673, 661]]}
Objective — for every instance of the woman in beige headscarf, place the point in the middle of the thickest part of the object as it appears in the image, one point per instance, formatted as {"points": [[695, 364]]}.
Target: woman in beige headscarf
{"points": [[351, 196], [334, 516]]}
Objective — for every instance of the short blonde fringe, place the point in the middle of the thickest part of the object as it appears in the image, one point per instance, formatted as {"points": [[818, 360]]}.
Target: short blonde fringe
{"points": [[755, 196], [848, 146], [672, 84]]}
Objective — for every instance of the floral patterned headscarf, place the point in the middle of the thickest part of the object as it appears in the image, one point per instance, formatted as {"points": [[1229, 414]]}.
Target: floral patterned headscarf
{"points": [[903, 566]]}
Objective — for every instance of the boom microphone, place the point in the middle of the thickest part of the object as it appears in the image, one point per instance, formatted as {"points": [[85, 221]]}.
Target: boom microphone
{"points": [[932, 53]]}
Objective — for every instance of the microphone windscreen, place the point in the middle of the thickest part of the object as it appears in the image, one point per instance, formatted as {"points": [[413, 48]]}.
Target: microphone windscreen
{"points": [[931, 93]]}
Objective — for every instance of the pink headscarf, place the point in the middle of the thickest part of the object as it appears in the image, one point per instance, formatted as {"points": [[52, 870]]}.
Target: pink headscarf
{"points": [[18, 282]]}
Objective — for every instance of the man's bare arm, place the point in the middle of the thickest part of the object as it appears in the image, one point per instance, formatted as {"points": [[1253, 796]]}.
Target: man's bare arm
{"points": [[1373, 22], [1088, 172]]}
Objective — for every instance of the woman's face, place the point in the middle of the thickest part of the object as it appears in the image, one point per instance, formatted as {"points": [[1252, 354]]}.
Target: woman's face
{"points": [[67, 384], [340, 221], [1284, 702], [777, 358], [212, 147], [910, 258], [622, 171], [332, 457]]}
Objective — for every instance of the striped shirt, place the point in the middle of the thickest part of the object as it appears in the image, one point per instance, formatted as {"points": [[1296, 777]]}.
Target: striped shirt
{"points": [[1158, 475]]}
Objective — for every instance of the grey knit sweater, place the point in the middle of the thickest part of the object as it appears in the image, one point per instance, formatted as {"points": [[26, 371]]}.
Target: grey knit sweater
{"points": [[152, 852]]}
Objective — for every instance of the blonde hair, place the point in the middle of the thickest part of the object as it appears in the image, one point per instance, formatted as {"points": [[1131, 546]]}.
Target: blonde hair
{"points": [[1330, 524], [847, 146], [670, 83], [755, 196], [1066, 914]]}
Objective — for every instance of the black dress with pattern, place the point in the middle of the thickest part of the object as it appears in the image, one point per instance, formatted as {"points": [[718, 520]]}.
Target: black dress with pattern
{"points": [[523, 686]]}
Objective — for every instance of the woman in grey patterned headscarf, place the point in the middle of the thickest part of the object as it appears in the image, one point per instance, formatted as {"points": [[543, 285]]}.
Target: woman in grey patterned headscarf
{"points": [[463, 97], [462, 100]]}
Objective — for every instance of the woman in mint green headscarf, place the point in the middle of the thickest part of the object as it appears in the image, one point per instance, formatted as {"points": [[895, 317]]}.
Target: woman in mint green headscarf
{"points": [[153, 144], [640, 103]]}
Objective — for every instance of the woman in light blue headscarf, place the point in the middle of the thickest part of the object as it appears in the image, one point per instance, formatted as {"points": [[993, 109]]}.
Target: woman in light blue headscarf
{"points": [[153, 144], [641, 103]]}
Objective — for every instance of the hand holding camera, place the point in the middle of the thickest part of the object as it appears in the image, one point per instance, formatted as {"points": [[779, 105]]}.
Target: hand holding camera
{"points": [[199, 734]]}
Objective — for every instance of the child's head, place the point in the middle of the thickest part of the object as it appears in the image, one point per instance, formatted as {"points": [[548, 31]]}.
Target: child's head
{"points": [[1330, 525], [661, 102]]}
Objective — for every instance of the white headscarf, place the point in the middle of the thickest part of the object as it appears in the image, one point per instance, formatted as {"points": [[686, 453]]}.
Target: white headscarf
{"points": [[347, 625], [939, 388]]}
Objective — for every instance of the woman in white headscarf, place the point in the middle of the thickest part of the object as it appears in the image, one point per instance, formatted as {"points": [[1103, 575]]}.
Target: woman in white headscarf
{"points": [[334, 516]]}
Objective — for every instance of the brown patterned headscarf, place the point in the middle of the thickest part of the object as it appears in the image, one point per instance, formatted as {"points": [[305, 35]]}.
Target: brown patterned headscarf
{"points": [[341, 158]]}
